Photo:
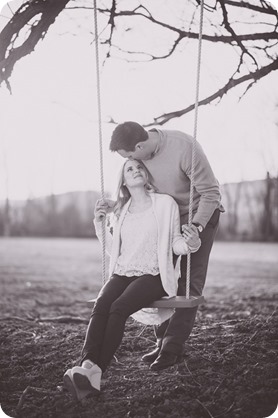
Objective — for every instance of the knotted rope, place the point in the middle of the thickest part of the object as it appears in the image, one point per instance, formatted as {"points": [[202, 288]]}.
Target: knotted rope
{"points": [[103, 244], [193, 157]]}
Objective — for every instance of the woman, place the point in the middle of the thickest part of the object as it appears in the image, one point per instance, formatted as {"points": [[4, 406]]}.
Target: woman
{"points": [[145, 235]]}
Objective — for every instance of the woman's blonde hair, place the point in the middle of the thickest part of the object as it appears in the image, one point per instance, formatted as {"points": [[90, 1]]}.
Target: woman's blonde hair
{"points": [[122, 193]]}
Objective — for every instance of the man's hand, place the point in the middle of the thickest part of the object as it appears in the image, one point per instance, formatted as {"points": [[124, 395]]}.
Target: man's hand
{"points": [[191, 236]]}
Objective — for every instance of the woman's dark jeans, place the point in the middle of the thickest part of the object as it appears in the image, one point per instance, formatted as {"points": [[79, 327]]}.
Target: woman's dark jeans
{"points": [[120, 297]]}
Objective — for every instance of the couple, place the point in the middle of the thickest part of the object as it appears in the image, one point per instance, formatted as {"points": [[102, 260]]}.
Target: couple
{"points": [[146, 234]]}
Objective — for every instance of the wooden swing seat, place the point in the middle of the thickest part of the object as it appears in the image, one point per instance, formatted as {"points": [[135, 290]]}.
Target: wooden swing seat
{"points": [[173, 302], [178, 302]]}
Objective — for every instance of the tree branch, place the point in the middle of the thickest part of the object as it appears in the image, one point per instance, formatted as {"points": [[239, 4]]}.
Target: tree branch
{"points": [[38, 15], [260, 9], [47, 11], [263, 36], [253, 76], [232, 32], [195, 35]]}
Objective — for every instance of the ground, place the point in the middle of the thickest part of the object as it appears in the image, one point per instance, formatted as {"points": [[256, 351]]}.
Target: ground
{"points": [[229, 368]]}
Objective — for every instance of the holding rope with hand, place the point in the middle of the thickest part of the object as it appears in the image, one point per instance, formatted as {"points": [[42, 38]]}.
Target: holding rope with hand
{"points": [[146, 233]]}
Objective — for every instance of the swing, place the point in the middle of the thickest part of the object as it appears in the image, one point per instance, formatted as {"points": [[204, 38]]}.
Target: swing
{"points": [[186, 301]]}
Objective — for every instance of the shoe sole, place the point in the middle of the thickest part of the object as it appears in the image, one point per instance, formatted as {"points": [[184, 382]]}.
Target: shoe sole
{"points": [[159, 368], [79, 389], [70, 387], [83, 383], [148, 360]]}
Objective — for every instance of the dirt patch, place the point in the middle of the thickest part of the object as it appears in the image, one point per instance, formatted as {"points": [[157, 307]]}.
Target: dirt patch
{"points": [[229, 368]]}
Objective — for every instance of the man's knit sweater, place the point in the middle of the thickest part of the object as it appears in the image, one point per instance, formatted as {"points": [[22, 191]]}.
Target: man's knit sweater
{"points": [[170, 168]]}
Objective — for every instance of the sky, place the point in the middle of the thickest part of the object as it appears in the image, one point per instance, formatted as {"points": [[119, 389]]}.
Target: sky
{"points": [[49, 125]]}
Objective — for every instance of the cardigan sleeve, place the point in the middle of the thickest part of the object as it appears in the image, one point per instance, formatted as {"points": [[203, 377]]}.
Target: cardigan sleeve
{"points": [[178, 242]]}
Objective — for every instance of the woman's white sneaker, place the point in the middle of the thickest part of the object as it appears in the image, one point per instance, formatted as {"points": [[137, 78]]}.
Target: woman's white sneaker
{"points": [[79, 384], [87, 379]]}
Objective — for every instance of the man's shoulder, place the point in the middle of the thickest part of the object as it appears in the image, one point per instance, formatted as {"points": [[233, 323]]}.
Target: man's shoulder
{"points": [[177, 138], [174, 133]]}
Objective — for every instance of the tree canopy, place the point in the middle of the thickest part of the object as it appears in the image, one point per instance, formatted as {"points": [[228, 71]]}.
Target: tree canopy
{"points": [[248, 27]]}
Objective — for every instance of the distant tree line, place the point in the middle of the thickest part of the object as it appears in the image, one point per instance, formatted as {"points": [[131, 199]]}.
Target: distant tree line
{"points": [[251, 214], [251, 211], [67, 215]]}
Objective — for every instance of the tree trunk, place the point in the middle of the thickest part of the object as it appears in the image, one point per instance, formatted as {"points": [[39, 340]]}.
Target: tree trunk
{"points": [[45, 12], [267, 218], [7, 218]]}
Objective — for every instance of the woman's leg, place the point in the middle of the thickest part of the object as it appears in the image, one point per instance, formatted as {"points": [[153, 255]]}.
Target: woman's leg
{"points": [[140, 293], [99, 317]]}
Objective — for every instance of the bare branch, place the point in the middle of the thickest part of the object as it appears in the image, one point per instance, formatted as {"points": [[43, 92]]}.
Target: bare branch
{"points": [[254, 76], [38, 15], [265, 8], [112, 23], [232, 32], [9, 55], [195, 35]]}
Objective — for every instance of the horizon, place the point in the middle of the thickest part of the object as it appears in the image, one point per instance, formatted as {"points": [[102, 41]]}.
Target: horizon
{"points": [[108, 192]]}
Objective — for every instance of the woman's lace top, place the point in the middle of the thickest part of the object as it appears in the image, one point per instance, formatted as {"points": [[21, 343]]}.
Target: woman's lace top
{"points": [[138, 254]]}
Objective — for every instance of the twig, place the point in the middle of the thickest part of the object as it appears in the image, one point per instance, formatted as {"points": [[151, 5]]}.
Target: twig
{"points": [[191, 374], [117, 361], [270, 316], [205, 408], [27, 332], [26, 391], [265, 322], [148, 340], [141, 332], [62, 319], [251, 338], [65, 319], [42, 303], [216, 389], [17, 318], [227, 410], [129, 380]]}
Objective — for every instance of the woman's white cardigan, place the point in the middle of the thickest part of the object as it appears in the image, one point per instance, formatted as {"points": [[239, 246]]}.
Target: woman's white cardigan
{"points": [[170, 240]]}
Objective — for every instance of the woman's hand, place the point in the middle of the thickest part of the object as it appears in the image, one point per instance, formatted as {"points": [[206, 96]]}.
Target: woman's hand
{"points": [[191, 236], [102, 207]]}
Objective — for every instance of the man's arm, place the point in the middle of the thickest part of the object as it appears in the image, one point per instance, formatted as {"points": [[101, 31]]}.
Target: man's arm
{"points": [[205, 184]]}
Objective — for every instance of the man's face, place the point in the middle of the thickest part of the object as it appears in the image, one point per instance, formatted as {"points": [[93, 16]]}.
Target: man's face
{"points": [[141, 152]]}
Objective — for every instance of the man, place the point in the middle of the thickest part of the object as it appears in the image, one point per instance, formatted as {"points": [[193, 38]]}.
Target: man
{"points": [[168, 156]]}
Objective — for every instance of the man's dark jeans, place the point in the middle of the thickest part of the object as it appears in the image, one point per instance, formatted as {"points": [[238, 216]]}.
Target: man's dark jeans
{"points": [[172, 334]]}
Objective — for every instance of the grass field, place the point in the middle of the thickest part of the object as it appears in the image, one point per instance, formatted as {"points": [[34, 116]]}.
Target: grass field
{"points": [[229, 368]]}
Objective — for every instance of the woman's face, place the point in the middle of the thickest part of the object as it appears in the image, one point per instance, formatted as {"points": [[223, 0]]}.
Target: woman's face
{"points": [[134, 174]]}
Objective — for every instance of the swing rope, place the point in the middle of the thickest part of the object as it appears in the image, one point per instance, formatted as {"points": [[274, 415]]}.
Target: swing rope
{"points": [[193, 157], [100, 137]]}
